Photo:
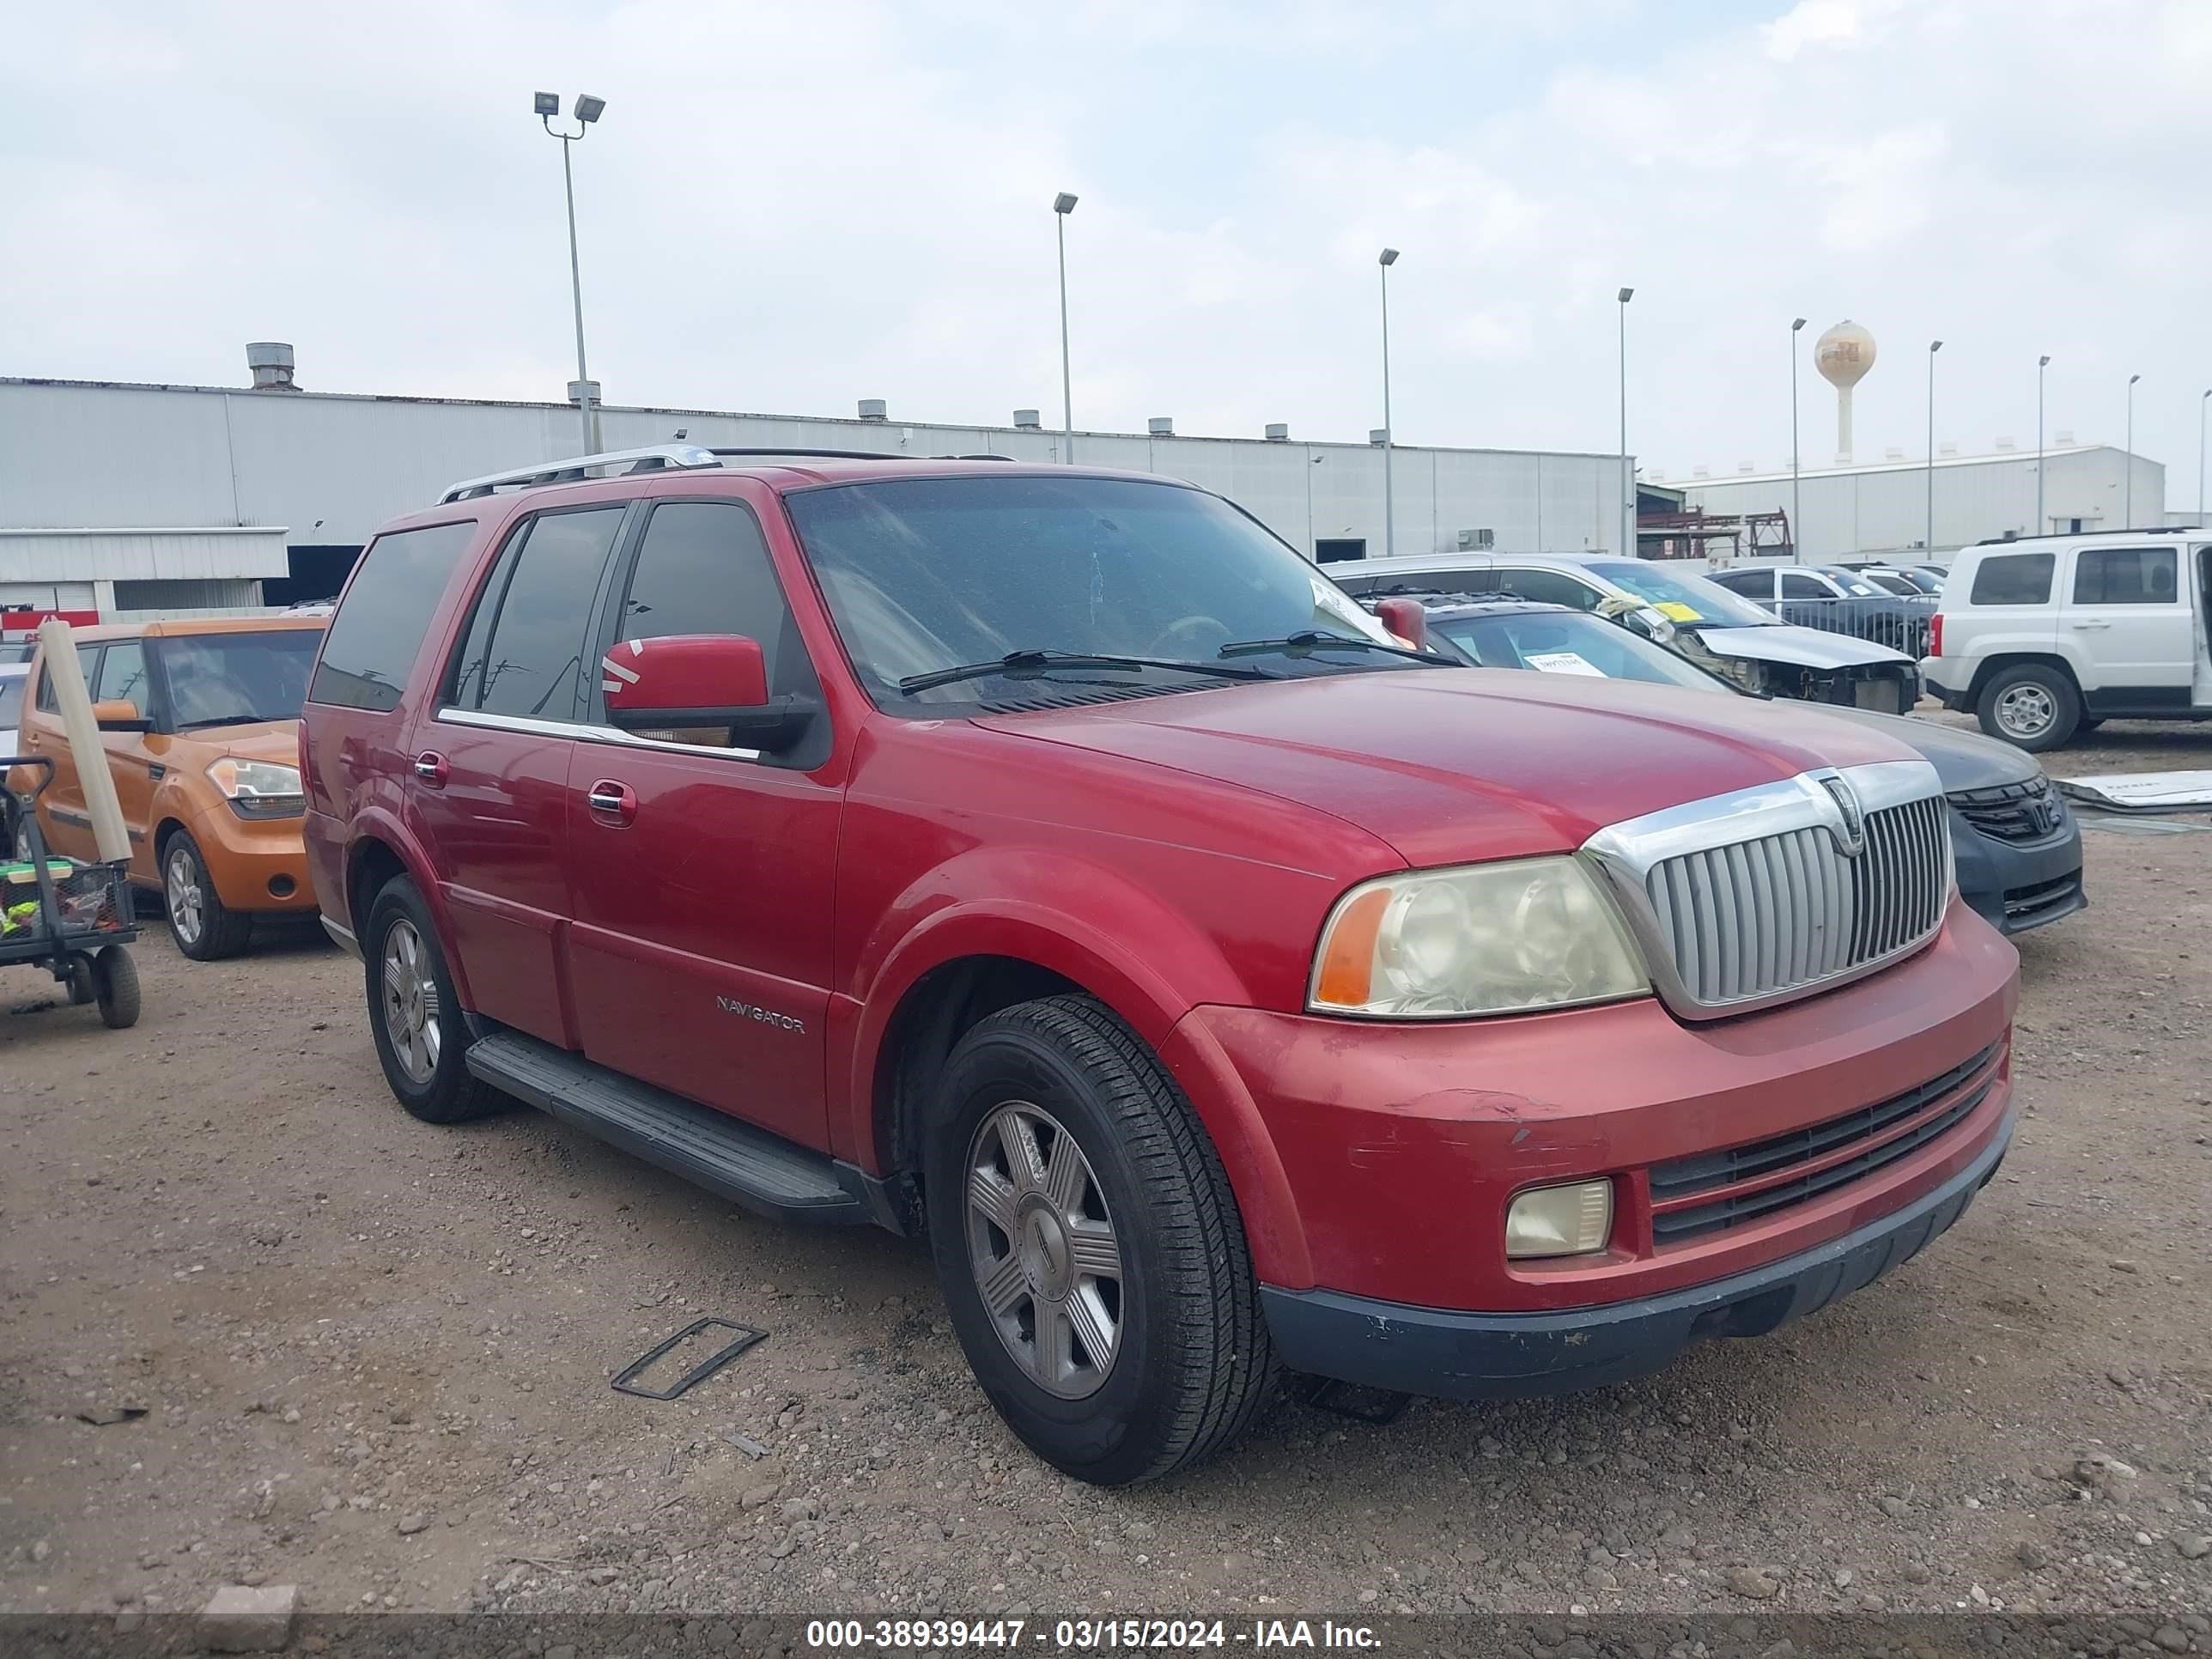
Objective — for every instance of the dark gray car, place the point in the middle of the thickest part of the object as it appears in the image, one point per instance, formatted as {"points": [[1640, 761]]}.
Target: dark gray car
{"points": [[2016, 846]]}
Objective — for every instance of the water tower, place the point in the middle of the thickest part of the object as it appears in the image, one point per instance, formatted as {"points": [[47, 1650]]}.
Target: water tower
{"points": [[1842, 355]]}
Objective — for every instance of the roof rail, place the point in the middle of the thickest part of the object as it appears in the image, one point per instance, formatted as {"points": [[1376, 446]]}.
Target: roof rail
{"points": [[656, 458], [2084, 535], [851, 454]]}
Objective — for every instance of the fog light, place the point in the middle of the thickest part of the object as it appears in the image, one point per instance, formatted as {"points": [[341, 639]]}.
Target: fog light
{"points": [[1569, 1220]]}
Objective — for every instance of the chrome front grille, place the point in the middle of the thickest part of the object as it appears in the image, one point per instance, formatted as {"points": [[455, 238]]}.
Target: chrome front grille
{"points": [[1753, 898]]}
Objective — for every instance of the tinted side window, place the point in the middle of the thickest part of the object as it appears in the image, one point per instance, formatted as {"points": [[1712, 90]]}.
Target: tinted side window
{"points": [[122, 674], [526, 651], [1752, 584], [2014, 579], [703, 567], [1795, 585], [2125, 575], [1552, 587], [1358, 586], [88, 661], [378, 627]]}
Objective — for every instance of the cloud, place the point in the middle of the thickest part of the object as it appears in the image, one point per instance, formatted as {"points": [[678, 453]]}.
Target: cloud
{"points": [[788, 207]]}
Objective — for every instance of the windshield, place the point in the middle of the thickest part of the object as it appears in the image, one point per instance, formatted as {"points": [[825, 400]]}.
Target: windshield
{"points": [[1682, 595], [927, 574], [1570, 642], [11, 700], [1852, 583], [230, 679]]}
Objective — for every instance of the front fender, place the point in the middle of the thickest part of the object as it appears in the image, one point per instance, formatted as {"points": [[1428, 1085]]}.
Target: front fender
{"points": [[1139, 956]]}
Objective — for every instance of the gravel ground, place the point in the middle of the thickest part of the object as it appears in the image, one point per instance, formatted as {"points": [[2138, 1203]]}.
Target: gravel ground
{"points": [[374, 1360]]}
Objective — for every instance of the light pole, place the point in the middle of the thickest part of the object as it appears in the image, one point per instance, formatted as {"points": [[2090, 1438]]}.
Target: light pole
{"points": [[1062, 205], [1629, 547], [2200, 455], [1796, 492], [1934, 346], [1385, 259], [588, 109], [2128, 495], [2041, 523]]}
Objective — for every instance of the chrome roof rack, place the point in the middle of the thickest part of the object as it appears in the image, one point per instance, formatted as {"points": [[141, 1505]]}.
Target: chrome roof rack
{"points": [[656, 458]]}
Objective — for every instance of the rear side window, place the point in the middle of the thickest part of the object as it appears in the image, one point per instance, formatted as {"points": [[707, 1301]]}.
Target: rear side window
{"points": [[122, 674], [1752, 584], [379, 626], [2125, 575], [2014, 579], [88, 661], [1552, 587], [11, 700], [524, 653]]}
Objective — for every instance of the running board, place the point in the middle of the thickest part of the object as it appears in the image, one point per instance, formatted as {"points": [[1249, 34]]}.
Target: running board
{"points": [[749, 1166]]}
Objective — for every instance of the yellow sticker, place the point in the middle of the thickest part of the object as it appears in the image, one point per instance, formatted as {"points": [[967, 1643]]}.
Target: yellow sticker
{"points": [[1676, 611]]}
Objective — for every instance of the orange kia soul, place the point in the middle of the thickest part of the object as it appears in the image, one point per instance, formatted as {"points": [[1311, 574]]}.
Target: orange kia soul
{"points": [[200, 719]]}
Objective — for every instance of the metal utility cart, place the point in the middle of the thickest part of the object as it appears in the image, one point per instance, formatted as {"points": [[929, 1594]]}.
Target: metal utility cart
{"points": [[71, 918]]}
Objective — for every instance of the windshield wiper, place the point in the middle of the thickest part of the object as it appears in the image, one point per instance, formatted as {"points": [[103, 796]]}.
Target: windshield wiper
{"points": [[1294, 644], [225, 719], [1037, 662]]}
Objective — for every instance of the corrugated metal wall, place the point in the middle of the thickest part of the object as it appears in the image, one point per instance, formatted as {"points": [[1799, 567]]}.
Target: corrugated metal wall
{"points": [[329, 469], [1885, 510]]}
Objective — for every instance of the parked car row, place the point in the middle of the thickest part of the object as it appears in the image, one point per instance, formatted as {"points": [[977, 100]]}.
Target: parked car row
{"points": [[1051, 861], [1838, 600]]}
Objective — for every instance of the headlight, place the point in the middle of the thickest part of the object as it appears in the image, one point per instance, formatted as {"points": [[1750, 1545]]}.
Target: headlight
{"points": [[1487, 939], [259, 789]]}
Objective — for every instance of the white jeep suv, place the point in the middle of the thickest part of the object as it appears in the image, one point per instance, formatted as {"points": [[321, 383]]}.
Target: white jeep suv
{"points": [[2047, 636]]}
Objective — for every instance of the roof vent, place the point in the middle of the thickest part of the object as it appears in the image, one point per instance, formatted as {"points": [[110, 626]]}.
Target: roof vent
{"points": [[1278, 432], [1745, 467], [1893, 454], [1701, 472], [874, 409], [1951, 448], [2064, 440], [1161, 426], [271, 363], [2007, 443], [1027, 419], [1379, 435]]}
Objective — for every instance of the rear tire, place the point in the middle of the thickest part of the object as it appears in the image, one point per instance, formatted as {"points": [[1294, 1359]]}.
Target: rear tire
{"points": [[1132, 1245], [204, 928], [2031, 706], [115, 988], [413, 1013]]}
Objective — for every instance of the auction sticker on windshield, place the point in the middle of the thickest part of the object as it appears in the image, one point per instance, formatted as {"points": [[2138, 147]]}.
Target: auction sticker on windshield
{"points": [[1563, 662]]}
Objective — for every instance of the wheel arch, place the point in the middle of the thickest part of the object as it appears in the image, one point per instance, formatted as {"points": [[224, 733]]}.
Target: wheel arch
{"points": [[1989, 667], [376, 852]]}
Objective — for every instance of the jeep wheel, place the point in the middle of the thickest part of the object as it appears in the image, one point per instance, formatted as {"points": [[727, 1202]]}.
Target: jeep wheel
{"points": [[1089, 1247], [413, 1013], [2031, 706], [204, 926]]}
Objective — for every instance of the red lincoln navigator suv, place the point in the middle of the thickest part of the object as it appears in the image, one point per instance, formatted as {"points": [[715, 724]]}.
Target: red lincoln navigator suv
{"points": [[1051, 860]]}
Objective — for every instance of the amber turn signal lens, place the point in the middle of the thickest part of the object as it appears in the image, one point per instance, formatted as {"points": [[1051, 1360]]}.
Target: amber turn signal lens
{"points": [[1349, 963]]}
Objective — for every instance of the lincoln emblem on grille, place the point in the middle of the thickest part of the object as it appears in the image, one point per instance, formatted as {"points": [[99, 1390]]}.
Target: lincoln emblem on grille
{"points": [[1850, 838]]}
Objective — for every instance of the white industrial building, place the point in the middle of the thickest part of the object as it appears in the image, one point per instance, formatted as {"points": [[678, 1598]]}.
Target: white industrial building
{"points": [[1879, 509], [122, 497]]}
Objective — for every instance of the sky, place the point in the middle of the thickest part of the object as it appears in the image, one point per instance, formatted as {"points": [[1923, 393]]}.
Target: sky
{"points": [[790, 206]]}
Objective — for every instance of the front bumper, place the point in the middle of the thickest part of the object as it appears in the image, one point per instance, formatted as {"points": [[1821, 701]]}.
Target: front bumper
{"points": [[256, 865], [2014, 887], [1464, 1356]]}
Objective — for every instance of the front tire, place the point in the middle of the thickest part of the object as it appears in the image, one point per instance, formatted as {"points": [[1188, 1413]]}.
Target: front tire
{"points": [[414, 1014], [2031, 706], [204, 926], [1089, 1247]]}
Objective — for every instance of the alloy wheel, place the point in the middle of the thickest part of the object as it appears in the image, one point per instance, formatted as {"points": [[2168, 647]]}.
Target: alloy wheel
{"points": [[2025, 712], [1046, 1257], [411, 1002], [181, 888]]}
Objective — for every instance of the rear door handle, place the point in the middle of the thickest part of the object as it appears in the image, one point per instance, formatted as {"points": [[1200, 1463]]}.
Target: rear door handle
{"points": [[430, 769], [612, 802]]}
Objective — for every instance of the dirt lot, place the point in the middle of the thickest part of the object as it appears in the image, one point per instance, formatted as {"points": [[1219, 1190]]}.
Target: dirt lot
{"points": [[374, 1358]]}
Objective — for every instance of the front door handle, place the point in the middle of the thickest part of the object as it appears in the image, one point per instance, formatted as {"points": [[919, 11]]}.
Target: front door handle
{"points": [[2088, 624], [430, 769], [612, 802]]}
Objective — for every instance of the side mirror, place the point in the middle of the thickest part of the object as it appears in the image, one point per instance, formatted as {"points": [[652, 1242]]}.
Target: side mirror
{"points": [[1407, 618], [1648, 622], [120, 715], [684, 680]]}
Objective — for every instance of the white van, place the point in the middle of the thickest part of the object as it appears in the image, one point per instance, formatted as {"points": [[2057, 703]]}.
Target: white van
{"points": [[2051, 635]]}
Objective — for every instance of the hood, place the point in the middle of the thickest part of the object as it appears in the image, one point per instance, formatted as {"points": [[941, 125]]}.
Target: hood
{"points": [[260, 740], [1964, 760], [1472, 764], [1800, 648]]}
